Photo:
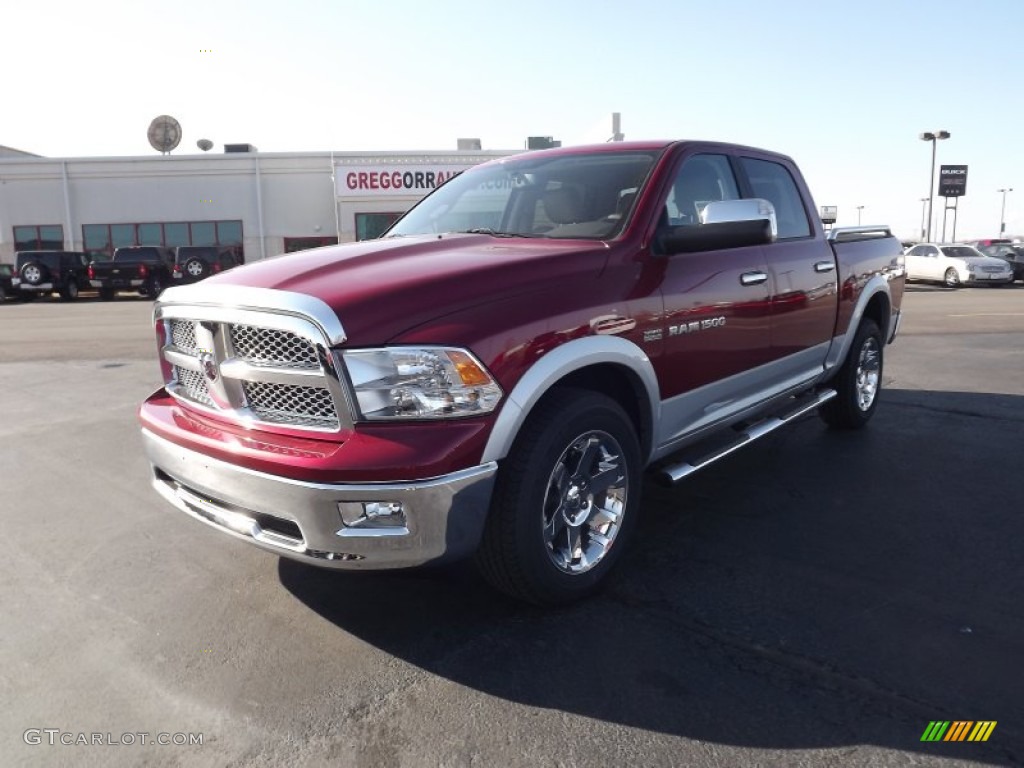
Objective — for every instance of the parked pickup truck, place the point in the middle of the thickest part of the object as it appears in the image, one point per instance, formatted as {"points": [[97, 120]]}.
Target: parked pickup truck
{"points": [[494, 374], [144, 268]]}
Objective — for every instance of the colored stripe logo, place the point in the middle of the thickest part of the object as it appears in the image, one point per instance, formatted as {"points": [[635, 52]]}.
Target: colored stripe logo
{"points": [[959, 730]]}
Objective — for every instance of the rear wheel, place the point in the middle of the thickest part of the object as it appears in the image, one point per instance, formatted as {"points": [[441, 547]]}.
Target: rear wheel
{"points": [[952, 278], [858, 382], [565, 501], [70, 291], [156, 285]]}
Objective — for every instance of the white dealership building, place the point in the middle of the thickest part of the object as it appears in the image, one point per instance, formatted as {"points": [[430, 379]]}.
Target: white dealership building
{"points": [[262, 203]]}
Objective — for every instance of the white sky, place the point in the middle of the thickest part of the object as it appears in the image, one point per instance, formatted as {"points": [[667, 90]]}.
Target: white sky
{"points": [[843, 87]]}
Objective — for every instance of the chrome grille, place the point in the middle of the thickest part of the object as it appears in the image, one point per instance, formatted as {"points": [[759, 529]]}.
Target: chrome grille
{"points": [[194, 384], [993, 270], [271, 347], [183, 335], [291, 404]]}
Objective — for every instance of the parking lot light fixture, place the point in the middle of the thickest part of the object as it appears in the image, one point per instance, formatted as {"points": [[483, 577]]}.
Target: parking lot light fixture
{"points": [[859, 209], [933, 137], [1002, 213]]}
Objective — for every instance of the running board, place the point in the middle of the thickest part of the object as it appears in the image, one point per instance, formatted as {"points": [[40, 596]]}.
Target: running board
{"points": [[673, 473]]}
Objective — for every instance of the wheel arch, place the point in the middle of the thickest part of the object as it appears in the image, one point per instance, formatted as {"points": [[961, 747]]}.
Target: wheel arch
{"points": [[611, 365], [874, 302]]}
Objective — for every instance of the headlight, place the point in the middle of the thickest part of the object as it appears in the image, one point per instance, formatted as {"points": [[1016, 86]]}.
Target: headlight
{"points": [[419, 383], [970, 267]]}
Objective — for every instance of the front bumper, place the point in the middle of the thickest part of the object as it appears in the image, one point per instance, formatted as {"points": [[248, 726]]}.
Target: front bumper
{"points": [[986, 278], [444, 516]]}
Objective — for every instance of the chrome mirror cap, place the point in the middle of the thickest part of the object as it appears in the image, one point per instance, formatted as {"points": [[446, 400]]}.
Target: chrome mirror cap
{"points": [[752, 209]]}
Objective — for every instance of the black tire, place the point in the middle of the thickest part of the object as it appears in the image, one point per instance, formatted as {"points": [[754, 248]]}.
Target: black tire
{"points": [[196, 269], [951, 279], [847, 409], [34, 272], [154, 287], [69, 292], [107, 294], [569, 428]]}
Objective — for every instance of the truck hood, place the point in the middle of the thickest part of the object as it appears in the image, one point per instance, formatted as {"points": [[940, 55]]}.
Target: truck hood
{"points": [[380, 288]]}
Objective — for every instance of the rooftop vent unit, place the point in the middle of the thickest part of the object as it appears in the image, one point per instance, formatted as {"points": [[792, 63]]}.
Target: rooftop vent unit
{"points": [[229, 148]]}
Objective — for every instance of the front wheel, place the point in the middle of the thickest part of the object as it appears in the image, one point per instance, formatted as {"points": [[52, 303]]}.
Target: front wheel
{"points": [[952, 278], [565, 501], [858, 382]]}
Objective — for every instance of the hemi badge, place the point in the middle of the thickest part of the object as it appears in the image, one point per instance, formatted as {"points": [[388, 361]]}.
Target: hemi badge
{"points": [[609, 324]]}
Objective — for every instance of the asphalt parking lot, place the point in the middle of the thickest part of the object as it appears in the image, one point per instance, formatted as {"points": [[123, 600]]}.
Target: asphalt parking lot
{"points": [[816, 599]]}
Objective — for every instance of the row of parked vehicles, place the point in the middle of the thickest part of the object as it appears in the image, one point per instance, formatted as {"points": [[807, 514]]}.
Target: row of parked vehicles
{"points": [[144, 269], [977, 262]]}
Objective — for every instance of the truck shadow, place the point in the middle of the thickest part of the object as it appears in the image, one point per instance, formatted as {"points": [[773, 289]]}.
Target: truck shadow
{"points": [[817, 590]]}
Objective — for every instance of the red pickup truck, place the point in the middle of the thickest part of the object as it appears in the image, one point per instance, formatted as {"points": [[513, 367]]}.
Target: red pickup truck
{"points": [[493, 376]]}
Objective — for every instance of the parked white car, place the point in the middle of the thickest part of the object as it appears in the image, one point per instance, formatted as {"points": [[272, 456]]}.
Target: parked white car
{"points": [[955, 265]]}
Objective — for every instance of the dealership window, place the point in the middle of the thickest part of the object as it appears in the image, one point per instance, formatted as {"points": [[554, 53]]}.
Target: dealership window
{"points": [[39, 238], [101, 239], [370, 226], [292, 244]]}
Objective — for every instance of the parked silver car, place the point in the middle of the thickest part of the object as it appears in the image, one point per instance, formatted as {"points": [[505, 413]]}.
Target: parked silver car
{"points": [[956, 264]]}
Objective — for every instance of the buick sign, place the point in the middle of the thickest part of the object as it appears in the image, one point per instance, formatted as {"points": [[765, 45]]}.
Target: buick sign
{"points": [[952, 181]]}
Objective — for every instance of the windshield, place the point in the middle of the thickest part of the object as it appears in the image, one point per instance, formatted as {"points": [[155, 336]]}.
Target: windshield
{"points": [[961, 252], [587, 196]]}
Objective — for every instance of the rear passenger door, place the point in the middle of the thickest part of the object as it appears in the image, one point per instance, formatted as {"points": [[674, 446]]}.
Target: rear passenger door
{"points": [[802, 266]]}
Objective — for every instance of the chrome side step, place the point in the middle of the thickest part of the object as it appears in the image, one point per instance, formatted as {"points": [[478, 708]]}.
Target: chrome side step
{"points": [[673, 473]]}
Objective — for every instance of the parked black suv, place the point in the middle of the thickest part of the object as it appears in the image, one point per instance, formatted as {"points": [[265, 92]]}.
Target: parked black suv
{"points": [[194, 262], [145, 268], [63, 272]]}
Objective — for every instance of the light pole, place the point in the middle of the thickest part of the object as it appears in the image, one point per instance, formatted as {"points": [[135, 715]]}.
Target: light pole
{"points": [[924, 207], [1002, 214], [859, 209], [933, 137]]}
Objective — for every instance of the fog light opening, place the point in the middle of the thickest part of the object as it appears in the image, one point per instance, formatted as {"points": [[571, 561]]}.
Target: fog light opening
{"points": [[372, 514]]}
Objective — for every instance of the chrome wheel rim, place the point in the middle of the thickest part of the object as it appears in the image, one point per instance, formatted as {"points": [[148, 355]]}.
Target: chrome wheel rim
{"points": [[869, 369], [195, 268], [584, 502], [952, 278], [32, 275]]}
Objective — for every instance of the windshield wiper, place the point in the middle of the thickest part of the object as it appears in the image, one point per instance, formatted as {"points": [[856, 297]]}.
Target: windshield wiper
{"points": [[494, 232]]}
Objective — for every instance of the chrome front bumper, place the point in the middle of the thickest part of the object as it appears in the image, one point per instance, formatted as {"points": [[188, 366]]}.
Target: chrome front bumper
{"points": [[444, 516]]}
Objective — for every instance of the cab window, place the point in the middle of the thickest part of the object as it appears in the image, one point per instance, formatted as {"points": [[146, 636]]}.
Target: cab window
{"points": [[701, 179], [773, 182]]}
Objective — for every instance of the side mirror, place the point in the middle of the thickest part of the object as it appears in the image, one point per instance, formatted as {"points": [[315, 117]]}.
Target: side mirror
{"points": [[724, 224], [753, 209]]}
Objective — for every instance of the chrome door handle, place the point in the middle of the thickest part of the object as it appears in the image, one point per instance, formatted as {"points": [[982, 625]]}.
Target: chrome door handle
{"points": [[824, 266], [753, 278]]}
